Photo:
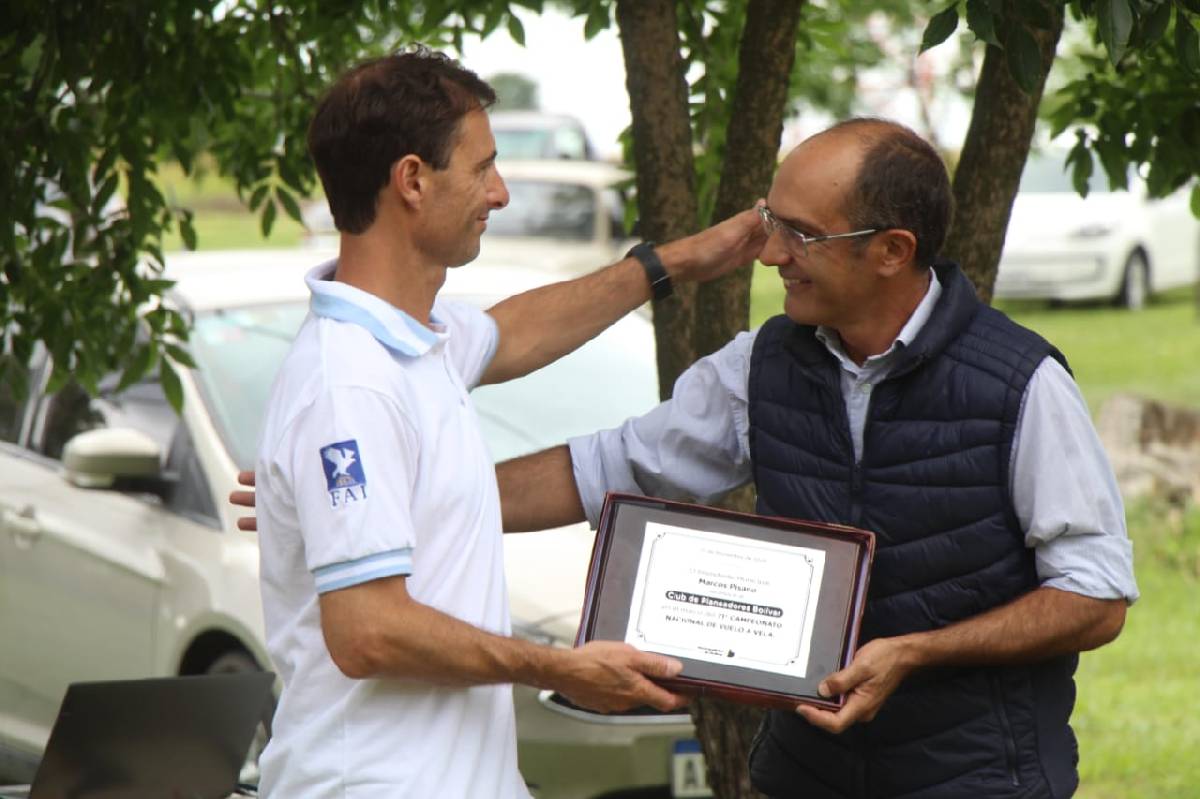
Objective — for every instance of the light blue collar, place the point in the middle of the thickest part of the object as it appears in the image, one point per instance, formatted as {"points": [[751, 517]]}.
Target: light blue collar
{"points": [[390, 326], [833, 342]]}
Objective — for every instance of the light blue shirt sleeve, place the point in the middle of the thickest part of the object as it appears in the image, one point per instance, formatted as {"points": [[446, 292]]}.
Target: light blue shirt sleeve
{"points": [[695, 445], [1065, 493]]}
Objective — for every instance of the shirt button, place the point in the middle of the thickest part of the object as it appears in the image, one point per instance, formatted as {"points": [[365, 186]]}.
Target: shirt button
{"points": [[864, 388]]}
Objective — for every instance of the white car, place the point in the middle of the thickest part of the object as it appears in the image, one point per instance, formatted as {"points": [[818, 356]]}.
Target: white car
{"points": [[564, 217], [536, 134], [1118, 245], [119, 556]]}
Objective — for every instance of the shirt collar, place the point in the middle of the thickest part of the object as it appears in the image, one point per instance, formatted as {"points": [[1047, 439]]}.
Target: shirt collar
{"points": [[833, 342], [390, 326]]}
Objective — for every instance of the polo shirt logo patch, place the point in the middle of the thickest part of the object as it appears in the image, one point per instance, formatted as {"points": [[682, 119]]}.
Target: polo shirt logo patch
{"points": [[344, 477]]}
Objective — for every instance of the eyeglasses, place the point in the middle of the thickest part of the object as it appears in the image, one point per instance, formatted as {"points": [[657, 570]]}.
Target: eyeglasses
{"points": [[772, 223]]}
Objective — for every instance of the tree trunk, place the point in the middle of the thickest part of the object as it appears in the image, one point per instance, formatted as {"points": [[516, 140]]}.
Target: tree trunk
{"points": [[765, 57], [662, 151], [993, 155]]}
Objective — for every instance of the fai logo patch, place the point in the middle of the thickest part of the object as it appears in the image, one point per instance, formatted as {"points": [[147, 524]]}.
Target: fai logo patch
{"points": [[344, 476]]}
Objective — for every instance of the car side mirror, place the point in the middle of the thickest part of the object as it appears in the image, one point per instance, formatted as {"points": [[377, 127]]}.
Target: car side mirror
{"points": [[103, 457]]}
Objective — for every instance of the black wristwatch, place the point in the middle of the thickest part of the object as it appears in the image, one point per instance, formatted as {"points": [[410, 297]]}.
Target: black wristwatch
{"points": [[660, 281]]}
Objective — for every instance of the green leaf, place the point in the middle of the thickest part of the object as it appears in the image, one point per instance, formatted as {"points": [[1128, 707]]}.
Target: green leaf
{"points": [[187, 230], [940, 27], [169, 379], [597, 20], [180, 356], [268, 219], [981, 22], [290, 206], [1114, 19], [1196, 200], [105, 193], [143, 359], [1081, 160], [1024, 58], [1157, 22], [516, 30], [1187, 43], [257, 197]]}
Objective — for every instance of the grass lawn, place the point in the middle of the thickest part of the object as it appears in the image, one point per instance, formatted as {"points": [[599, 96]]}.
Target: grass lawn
{"points": [[222, 222], [1136, 715]]}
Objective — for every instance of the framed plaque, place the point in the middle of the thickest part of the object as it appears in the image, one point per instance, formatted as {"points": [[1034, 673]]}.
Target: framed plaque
{"points": [[758, 609]]}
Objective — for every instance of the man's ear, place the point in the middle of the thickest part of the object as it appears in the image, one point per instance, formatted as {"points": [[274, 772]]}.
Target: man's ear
{"points": [[895, 250], [409, 179]]}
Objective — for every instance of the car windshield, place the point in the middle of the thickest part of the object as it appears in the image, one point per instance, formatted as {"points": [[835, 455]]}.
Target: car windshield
{"points": [[548, 209], [534, 143], [612, 377]]}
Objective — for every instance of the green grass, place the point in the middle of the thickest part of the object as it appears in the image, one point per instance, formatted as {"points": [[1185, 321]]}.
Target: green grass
{"points": [[222, 222], [1136, 714]]}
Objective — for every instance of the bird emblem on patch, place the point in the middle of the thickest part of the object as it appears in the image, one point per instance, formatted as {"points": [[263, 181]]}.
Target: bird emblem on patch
{"points": [[344, 476]]}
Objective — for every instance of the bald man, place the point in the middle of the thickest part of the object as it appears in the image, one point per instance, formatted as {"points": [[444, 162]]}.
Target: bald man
{"points": [[886, 396]]}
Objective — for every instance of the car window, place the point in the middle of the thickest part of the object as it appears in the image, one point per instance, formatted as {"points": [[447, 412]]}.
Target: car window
{"points": [[547, 209], [189, 494], [71, 411]]}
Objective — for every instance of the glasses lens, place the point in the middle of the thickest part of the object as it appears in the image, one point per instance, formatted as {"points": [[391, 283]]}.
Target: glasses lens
{"points": [[793, 239]]}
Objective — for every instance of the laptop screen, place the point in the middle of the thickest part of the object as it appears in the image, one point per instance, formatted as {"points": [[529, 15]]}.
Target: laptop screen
{"points": [[183, 737]]}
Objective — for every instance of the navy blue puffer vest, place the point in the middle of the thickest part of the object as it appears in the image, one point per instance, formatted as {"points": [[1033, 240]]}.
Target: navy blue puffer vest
{"points": [[933, 485]]}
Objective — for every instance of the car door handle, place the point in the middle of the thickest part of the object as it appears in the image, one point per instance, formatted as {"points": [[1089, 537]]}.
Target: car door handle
{"points": [[24, 526]]}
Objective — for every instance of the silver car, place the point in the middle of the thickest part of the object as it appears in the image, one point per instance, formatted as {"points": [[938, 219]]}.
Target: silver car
{"points": [[119, 556]]}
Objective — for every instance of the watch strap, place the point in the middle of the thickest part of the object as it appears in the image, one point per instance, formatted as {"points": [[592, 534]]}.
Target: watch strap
{"points": [[660, 282]]}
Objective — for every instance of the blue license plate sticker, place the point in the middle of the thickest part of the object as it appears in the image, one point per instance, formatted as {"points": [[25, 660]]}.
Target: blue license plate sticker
{"points": [[689, 775]]}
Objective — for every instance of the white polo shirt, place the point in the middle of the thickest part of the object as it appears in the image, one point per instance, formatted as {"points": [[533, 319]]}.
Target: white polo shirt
{"points": [[372, 465]]}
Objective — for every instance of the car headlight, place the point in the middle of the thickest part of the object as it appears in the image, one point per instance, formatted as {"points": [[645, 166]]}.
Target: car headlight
{"points": [[1093, 230]]}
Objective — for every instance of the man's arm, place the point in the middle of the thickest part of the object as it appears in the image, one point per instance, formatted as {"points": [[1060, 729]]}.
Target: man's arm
{"points": [[540, 326], [1041, 624], [538, 491], [376, 629]]}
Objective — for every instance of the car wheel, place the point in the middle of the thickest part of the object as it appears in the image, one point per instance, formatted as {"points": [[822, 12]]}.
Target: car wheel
{"points": [[239, 662], [1135, 284]]}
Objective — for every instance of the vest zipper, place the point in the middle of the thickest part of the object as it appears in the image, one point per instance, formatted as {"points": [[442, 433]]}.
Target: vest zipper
{"points": [[1010, 744]]}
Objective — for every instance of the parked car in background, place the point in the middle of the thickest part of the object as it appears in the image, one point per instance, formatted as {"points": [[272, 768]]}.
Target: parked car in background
{"points": [[564, 217], [1119, 245], [119, 556], [535, 134]]}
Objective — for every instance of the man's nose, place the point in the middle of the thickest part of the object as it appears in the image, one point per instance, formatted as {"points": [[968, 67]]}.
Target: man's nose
{"points": [[497, 193], [774, 253]]}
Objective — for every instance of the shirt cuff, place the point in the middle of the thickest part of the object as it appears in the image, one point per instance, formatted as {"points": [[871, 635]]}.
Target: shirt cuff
{"points": [[396, 562], [1096, 565]]}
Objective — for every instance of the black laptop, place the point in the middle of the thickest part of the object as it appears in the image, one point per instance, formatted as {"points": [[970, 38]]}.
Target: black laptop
{"points": [[184, 737]]}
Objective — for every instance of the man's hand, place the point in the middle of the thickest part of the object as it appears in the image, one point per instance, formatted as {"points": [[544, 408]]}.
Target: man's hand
{"points": [[245, 499], [717, 250], [608, 676], [876, 671]]}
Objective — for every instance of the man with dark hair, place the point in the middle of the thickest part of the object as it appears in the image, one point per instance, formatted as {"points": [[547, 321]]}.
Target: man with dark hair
{"points": [[888, 397], [380, 539]]}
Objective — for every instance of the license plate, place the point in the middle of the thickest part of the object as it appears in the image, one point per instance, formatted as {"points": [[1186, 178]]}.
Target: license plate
{"points": [[689, 775]]}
